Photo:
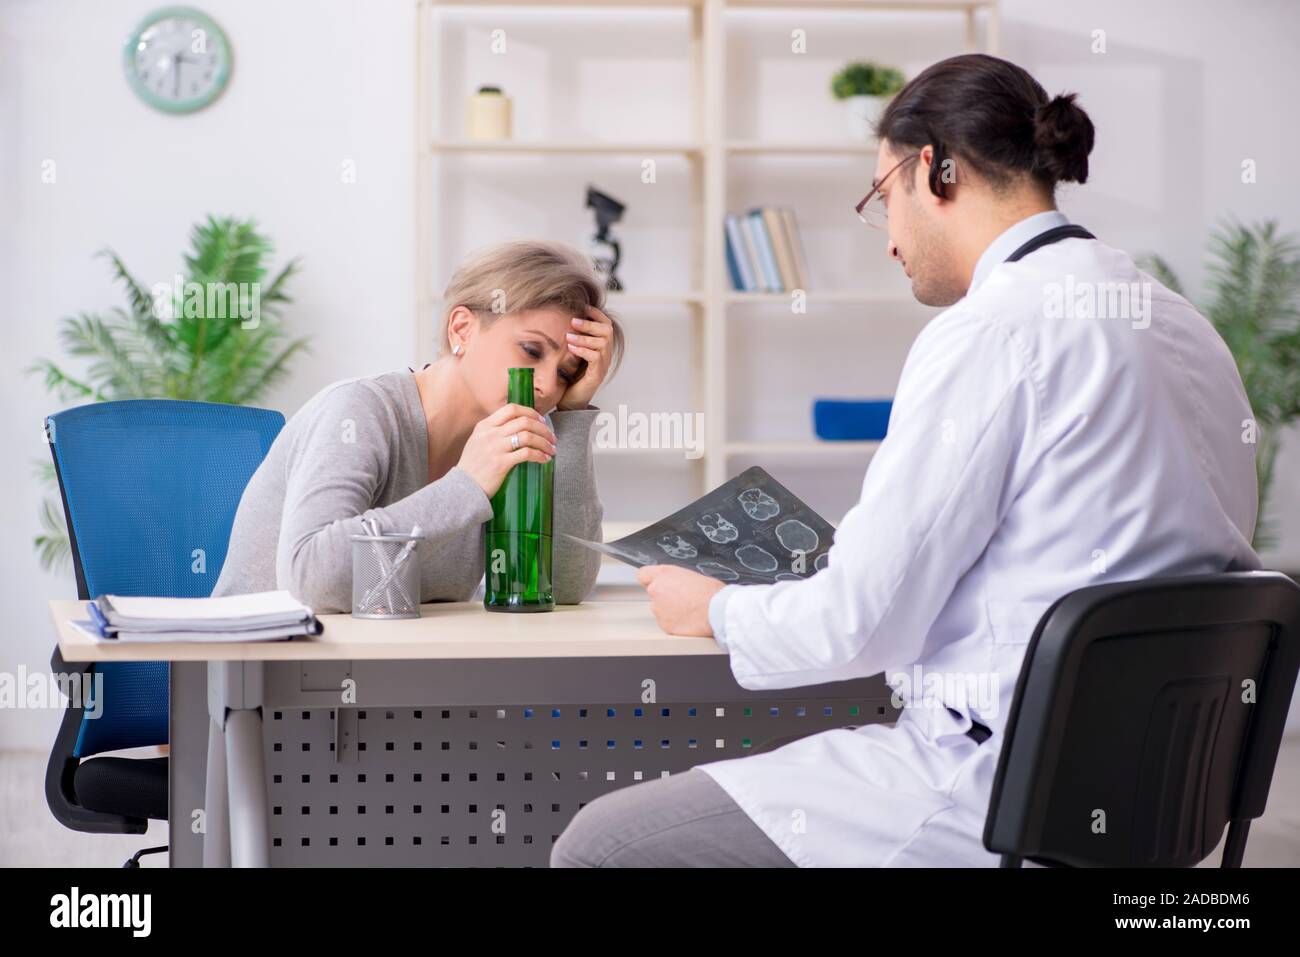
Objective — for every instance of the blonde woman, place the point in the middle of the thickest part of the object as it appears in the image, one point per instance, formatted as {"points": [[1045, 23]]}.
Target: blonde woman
{"points": [[430, 448]]}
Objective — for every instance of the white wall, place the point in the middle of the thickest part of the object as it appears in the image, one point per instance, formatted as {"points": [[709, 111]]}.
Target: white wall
{"points": [[1183, 94], [313, 85]]}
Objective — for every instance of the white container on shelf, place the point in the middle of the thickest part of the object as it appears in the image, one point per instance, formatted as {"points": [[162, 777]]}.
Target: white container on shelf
{"points": [[863, 111], [489, 115]]}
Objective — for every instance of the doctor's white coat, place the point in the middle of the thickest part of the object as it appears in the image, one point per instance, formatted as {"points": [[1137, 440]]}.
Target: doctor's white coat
{"points": [[1032, 450]]}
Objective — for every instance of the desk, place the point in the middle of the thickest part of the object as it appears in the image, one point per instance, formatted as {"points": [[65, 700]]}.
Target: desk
{"points": [[464, 737]]}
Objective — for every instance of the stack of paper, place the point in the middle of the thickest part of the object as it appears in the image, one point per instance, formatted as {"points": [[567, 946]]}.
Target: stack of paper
{"points": [[261, 616]]}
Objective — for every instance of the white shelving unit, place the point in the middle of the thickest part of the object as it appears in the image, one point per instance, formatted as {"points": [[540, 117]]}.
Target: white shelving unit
{"points": [[708, 152]]}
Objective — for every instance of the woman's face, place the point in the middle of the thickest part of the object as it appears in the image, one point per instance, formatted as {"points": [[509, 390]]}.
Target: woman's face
{"points": [[534, 339]]}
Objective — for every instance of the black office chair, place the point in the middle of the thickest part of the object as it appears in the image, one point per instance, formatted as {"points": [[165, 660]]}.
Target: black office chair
{"points": [[1147, 715]]}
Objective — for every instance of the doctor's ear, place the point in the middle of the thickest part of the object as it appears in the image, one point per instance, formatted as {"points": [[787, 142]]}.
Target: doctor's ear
{"points": [[936, 174], [926, 161]]}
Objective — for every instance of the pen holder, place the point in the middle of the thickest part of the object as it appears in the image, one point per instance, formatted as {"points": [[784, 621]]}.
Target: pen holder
{"points": [[385, 576]]}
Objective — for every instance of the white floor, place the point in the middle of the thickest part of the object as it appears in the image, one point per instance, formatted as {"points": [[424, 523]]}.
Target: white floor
{"points": [[29, 835]]}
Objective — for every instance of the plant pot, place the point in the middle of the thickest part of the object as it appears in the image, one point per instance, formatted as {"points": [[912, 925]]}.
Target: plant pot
{"points": [[862, 112]]}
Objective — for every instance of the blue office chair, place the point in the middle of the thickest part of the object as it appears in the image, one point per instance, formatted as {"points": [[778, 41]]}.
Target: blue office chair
{"points": [[1147, 717], [149, 488]]}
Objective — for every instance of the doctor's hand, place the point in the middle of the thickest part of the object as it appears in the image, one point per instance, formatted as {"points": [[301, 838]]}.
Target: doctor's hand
{"points": [[589, 338], [679, 598]]}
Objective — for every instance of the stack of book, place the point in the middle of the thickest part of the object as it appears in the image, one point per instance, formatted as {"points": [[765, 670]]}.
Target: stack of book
{"points": [[764, 251], [262, 616]]}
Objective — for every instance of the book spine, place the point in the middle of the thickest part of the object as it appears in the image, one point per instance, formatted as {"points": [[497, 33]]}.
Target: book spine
{"points": [[733, 274], [751, 248], [796, 246], [764, 243], [784, 262], [743, 263], [733, 261]]}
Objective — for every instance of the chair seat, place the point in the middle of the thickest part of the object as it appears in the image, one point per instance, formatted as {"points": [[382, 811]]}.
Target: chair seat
{"points": [[132, 787]]}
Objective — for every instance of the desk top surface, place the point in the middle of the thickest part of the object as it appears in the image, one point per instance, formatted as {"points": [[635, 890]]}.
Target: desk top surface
{"points": [[615, 622]]}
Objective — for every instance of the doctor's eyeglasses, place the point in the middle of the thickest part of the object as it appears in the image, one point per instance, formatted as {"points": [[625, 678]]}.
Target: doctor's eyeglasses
{"points": [[872, 209]]}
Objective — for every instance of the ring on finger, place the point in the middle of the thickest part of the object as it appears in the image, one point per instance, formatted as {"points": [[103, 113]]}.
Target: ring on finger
{"points": [[514, 442]]}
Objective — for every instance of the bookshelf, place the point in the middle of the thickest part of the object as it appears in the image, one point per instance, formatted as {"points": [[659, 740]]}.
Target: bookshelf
{"points": [[707, 152]]}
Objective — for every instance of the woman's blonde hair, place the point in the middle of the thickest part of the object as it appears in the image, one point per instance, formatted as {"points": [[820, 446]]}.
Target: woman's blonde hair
{"points": [[524, 274]]}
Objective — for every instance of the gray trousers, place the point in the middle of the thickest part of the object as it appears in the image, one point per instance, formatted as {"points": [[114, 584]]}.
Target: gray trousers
{"points": [[684, 820]]}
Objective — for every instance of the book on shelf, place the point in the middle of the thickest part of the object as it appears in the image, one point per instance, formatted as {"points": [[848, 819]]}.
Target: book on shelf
{"points": [[738, 262], [780, 247], [747, 256], [766, 256], [796, 247], [754, 248], [764, 251]]}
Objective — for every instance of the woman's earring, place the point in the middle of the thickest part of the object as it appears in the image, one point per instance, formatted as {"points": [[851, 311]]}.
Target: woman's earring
{"points": [[457, 351]]}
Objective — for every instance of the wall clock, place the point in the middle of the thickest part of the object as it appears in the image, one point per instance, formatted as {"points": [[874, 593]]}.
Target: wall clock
{"points": [[177, 60]]}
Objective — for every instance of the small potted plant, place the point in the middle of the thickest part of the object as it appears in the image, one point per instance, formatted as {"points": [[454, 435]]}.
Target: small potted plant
{"points": [[165, 343], [865, 87]]}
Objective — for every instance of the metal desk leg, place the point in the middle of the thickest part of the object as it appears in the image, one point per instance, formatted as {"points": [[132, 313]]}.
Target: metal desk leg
{"points": [[216, 807], [250, 840], [235, 704]]}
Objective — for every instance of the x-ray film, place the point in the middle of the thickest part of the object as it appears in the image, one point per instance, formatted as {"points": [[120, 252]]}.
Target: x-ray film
{"points": [[751, 530]]}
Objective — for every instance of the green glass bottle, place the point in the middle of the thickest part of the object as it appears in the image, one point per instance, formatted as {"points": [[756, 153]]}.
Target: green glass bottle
{"points": [[517, 538]]}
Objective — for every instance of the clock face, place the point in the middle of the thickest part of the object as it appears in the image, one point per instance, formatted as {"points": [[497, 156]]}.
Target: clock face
{"points": [[177, 60]]}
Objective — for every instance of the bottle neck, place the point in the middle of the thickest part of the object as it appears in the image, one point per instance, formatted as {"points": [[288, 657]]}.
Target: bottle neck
{"points": [[519, 389]]}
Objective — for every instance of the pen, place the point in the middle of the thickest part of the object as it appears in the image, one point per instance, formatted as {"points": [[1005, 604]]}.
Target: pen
{"points": [[100, 621], [372, 528], [390, 575]]}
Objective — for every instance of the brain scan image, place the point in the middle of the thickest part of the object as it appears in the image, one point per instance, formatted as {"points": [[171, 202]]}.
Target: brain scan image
{"points": [[756, 558], [719, 571], [676, 546], [772, 536], [795, 536], [758, 505], [716, 528]]}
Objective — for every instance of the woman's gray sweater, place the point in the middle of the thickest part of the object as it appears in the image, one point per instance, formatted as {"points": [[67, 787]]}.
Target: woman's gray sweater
{"points": [[359, 448]]}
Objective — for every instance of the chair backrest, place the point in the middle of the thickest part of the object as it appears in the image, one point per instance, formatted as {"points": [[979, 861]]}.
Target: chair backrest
{"points": [[1147, 715], [150, 488]]}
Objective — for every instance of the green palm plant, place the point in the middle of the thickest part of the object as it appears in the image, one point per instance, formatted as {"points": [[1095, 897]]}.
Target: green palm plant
{"points": [[1253, 301], [214, 337]]}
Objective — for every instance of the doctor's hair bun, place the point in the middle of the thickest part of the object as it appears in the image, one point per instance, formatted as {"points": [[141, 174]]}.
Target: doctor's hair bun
{"points": [[986, 118], [1063, 137]]}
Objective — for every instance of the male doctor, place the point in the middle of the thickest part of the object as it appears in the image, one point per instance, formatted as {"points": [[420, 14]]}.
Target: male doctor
{"points": [[1067, 421]]}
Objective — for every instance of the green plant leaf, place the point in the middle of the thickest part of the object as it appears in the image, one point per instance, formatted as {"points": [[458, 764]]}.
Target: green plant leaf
{"points": [[1162, 271], [270, 373], [52, 547], [141, 302], [111, 367]]}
